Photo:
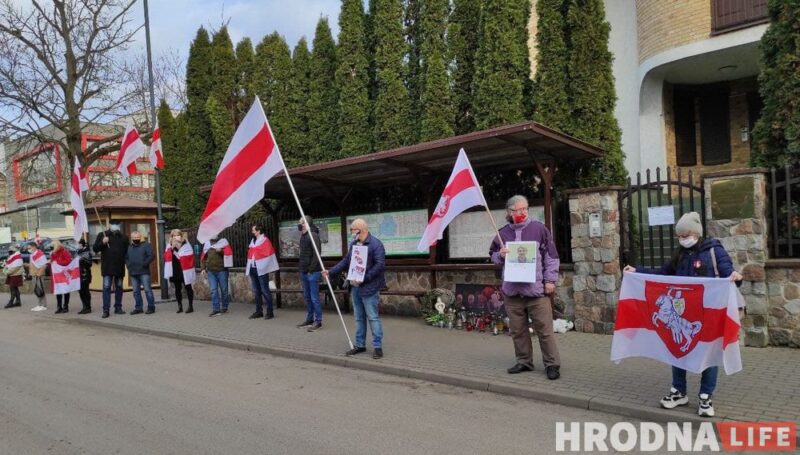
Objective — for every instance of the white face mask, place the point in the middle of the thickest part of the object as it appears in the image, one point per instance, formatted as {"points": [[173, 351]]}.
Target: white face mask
{"points": [[688, 242], [355, 235]]}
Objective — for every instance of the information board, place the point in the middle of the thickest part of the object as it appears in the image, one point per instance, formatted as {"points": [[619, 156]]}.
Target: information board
{"points": [[330, 235], [470, 234], [400, 232]]}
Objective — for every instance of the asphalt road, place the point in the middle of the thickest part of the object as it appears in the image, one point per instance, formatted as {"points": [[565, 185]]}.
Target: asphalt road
{"points": [[74, 389]]}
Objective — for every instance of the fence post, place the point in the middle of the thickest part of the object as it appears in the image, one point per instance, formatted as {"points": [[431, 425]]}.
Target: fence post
{"points": [[736, 208], [595, 256]]}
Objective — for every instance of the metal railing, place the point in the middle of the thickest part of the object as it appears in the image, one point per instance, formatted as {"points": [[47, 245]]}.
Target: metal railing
{"points": [[784, 211]]}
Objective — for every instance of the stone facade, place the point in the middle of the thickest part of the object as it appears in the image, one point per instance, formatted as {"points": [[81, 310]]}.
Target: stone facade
{"points": [[783, 309], [597, 273]]}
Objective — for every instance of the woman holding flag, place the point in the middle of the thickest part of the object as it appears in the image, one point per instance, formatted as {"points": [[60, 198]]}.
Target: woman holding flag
{"points": [[61, 257], [14, 276], [179, 268], [695, 257]]}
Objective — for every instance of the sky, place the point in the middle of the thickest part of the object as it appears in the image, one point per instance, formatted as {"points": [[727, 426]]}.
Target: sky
{"points": [[174, 23]]}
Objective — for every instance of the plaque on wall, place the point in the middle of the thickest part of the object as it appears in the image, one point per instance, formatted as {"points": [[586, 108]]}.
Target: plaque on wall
{"points": [[733, 199]]}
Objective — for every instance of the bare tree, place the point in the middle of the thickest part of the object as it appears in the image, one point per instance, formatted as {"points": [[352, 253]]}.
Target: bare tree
{"points": [[59, 66], [169, 82]]}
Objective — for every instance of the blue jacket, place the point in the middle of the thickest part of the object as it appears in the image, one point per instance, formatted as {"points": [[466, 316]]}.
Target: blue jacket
{"points": [[374, 280], [697, 262], [138, 259]]}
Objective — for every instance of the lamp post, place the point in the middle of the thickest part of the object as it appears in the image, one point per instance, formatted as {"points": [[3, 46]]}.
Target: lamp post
{"points": [[160, 221]]}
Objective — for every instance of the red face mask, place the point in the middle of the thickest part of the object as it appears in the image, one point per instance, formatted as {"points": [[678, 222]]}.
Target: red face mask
{"points": [[519, 218]]}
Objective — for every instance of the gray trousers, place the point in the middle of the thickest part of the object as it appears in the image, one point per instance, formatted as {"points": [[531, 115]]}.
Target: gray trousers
{"points": [[541, 313]]}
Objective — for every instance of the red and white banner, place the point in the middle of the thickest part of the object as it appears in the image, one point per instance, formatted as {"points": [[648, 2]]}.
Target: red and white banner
{"points": [[221, 244], [156, 153], [252, 159], [690, 323], [38, 259], [15, 260], [186, 257], [66, 278], [80, 222], [461, 192], [261, 255], [131, 148]]}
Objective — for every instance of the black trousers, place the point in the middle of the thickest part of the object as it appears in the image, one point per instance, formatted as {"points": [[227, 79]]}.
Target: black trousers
{"points": [[85, 293], [65, 299], [179, 293], [14, 290]]}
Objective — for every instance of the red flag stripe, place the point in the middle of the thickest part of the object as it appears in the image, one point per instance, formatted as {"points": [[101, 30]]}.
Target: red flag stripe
{"points": [[637, 314], [239, 169], [461, 182], [129, 139], [187, 262], [59, 278]]}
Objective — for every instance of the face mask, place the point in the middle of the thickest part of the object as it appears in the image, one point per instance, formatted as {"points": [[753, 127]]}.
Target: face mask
{"points": [[355, 235], [213, 240], [688, 242], [114, 227], [519, 218], [136, 242], [300, 227]]}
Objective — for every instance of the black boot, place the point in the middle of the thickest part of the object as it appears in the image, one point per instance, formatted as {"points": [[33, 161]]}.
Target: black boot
{"points": [[180, 307], [66, 308], [85, 310], [59, 310], [10, 304], [190, 309]]}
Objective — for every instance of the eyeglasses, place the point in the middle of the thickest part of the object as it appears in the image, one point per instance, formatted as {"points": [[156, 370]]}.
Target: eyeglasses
{"points": [[519, 210]]}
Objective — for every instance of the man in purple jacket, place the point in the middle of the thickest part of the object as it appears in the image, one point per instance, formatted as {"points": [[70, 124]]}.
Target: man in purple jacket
{"points": [[525, 300]]}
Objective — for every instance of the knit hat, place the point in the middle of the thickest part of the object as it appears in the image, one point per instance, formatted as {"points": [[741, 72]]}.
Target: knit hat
{"points": [[689, 224]]}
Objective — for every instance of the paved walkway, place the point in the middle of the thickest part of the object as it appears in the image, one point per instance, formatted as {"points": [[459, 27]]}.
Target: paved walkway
{"points": [[767, 389]]}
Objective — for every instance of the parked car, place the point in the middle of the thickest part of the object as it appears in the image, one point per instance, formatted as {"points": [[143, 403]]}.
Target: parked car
{"points": [[4, 253]]}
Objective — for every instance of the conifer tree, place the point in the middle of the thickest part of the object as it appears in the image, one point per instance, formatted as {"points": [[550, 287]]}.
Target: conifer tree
{"points": [[463, 28], [414, 78], [323, 97], [297, 144], [245, 73], [391, 114], [776, 136], [436, 109], [550, 100], [273, 71], [352, 81], [224, 86], [501, 63]]}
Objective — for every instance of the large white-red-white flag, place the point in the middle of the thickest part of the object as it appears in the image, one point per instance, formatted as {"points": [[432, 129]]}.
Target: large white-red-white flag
{"points": [[130, 149], [185, 256], [156, 153], [252, 159], [79, 184], [690, 323], [461, 192], [221, 244], [66, 278]]}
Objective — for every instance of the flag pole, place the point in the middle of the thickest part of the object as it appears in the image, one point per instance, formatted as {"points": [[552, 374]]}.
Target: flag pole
{"points": [[303, 215]]}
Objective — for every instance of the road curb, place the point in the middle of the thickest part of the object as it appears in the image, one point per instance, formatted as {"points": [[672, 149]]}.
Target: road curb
{"points": [[574, 400]]}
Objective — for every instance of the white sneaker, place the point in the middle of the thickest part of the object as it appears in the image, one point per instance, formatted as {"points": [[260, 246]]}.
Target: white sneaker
{"points": [[705, 408], [37, 308], [674, 399]]}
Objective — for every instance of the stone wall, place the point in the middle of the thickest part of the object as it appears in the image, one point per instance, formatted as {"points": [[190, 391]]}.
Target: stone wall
{"points": [[783, 312], [597, 273]]}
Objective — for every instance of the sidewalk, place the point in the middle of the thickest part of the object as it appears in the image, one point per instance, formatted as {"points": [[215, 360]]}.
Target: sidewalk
{"points": [[766, 390]]}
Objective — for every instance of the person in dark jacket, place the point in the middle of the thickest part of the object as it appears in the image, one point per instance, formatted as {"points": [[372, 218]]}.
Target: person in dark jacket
{"points": [[310, 269], [696, 257], [138, 259], [365, 294], [212, 266], [85, 262], [112, 246]]}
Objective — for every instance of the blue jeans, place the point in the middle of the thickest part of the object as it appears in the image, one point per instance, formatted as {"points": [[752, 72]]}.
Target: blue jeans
{"points": [[107, 279], [708, 380], [218, 284], [137, 281], [366, 309], [310, 283], [261, 288]]}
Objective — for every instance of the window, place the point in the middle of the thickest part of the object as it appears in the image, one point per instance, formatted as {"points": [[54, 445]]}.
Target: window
{"points": [[685, 134], [707, 107], [715, 133], [37, 172], [729, 15]]}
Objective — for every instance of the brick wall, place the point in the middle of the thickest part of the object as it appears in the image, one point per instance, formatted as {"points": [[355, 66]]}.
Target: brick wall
{"points": [[665, 24]]}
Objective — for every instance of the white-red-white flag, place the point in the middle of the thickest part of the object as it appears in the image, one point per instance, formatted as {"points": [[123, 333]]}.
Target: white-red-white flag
{"points": [[221, 244], [38, 259], [252, 159], [461, 192], [81, 223], [261, 255], [156, 153], [131, 148], [690, 323], [66, 278], [185, 255]]}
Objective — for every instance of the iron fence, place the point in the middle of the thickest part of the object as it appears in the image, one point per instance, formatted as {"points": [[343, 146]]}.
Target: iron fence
{"points": [[784, 211]]}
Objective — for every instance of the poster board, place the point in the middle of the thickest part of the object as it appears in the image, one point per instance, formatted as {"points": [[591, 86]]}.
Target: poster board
{"points": [[330, 236], [400, 232], [471, 233]]}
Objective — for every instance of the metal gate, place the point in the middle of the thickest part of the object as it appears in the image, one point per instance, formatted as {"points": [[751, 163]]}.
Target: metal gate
{"points": [[645, 245]]}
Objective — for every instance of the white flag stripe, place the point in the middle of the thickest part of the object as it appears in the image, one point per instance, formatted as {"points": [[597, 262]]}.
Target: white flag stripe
{"points": [[634, 288]]}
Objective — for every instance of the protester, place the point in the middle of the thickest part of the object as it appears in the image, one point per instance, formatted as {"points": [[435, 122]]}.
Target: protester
{"points": [[112, 246], [695, 257], [85, 255], [216, 252], [261, 261], [14, 271], [62, 257], [138, 259], [529, 300], [179, 268], [37, 266], [365, 294], [310, 269]]}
